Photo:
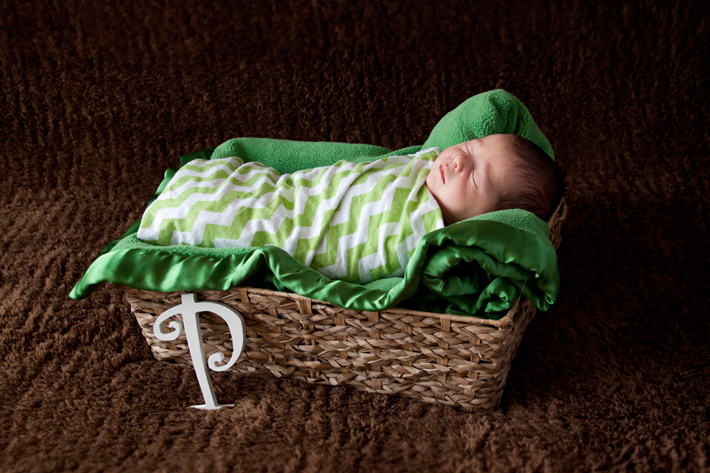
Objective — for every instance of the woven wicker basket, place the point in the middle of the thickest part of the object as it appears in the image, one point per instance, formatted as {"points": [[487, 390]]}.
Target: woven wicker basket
{"points": [[448, 359]]}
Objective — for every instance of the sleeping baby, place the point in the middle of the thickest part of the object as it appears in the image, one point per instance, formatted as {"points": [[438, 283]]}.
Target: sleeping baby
{"points": [[356, 222]]}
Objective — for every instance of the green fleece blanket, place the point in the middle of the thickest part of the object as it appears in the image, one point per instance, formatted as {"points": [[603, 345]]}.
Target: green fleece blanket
{"points": [[475, 267]]}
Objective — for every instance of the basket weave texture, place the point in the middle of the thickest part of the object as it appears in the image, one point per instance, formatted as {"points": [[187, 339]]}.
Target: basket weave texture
{"points": [[439, 358]]}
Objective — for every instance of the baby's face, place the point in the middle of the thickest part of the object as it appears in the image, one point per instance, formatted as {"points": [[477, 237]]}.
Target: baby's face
{"points": [[467, 179]]}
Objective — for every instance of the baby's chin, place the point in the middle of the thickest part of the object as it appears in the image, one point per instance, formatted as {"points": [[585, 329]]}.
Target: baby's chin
{"points": [[432, 189], [428, 180], [431, 178]]}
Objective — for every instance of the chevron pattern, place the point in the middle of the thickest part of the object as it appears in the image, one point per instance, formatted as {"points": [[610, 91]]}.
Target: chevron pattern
{"points": [[352, 221]]}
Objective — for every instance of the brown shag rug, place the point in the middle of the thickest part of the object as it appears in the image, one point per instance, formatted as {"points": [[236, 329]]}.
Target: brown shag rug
{"points": [[98, 98]]}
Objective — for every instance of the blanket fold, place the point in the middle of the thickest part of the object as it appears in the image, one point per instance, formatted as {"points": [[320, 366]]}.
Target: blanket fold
{"points": [[475, 267]]}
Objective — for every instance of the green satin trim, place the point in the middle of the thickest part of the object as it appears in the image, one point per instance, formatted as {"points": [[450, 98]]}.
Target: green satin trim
{"points": [[476, 267]]}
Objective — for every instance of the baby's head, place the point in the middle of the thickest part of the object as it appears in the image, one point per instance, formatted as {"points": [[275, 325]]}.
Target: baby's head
{"points": [[496, 172]]}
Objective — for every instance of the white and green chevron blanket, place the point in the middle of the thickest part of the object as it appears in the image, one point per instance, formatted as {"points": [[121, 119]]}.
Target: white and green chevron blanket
{"points": [[355, 222]]}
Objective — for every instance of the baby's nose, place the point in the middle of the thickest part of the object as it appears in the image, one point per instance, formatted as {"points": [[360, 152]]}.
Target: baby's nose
{"points": [[459, 164]]}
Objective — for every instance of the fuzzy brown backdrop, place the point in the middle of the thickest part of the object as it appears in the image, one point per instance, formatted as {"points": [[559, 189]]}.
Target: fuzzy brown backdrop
{"points": [[98, 98]]}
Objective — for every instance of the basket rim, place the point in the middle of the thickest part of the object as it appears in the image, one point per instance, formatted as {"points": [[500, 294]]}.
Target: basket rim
{"points": [[503, 322]]}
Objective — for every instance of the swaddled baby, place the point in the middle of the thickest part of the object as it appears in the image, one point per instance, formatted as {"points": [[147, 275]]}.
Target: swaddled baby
{"points": [[356, 222]]}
